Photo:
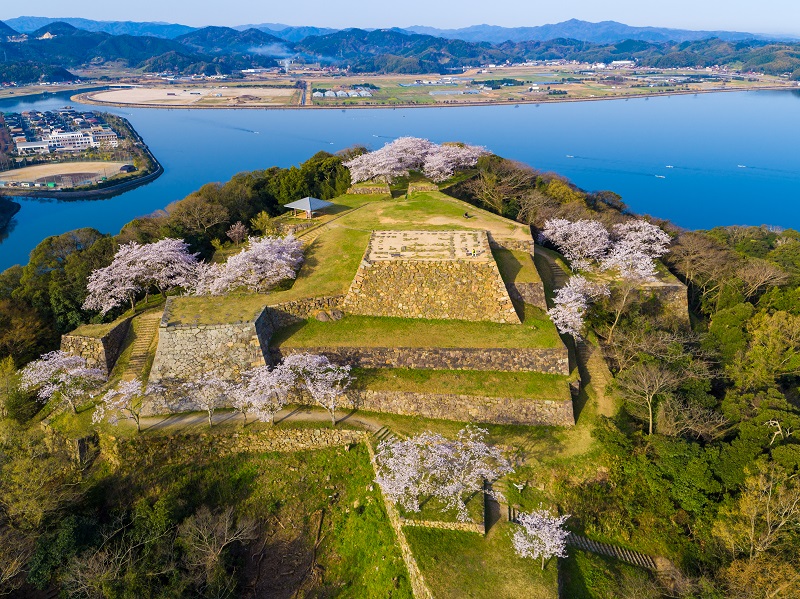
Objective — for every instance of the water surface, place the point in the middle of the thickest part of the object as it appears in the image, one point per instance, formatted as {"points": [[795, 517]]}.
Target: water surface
{"points": [[735, 156]]}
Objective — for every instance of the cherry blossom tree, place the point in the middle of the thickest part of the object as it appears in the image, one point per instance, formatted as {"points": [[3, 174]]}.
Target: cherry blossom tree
{"points": [[405, 154], [164, 264], [267, 390], [125, 401], [237, 232], [263, 263], [539, 535], [167, 264], [636, 245], [582, 242], [60, 376], [324, 381], [208, 392], [431, 465], [120, 281], [571, 303], [443, 161]]}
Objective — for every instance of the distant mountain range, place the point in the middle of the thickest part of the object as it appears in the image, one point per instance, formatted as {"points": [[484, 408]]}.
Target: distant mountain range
{"points": [[45, 53], [164, 30], [604, 32]]}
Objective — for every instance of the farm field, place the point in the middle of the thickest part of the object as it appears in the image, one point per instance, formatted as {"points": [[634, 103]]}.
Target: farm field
{"points": [[195, 96], [43, 173]]}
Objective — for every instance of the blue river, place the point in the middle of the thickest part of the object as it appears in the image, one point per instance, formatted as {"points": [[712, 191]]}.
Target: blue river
{"points": [[734, 157]]}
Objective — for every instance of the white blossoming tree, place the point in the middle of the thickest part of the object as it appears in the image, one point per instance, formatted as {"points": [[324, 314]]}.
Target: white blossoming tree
{"points": [[208, 392], [582, 242], [539, 535], [136, 268], [324, 381], [571, 303], [125, 401], [405, 154], [267, 391], [431, 465], [62, 377], [263, 263]]}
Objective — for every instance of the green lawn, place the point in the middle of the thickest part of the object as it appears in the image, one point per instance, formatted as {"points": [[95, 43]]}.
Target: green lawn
{"points": [[434, 510], [457, 565], [537, 331], [431, 210], [516, 266], [214, 309], [535, 385]]}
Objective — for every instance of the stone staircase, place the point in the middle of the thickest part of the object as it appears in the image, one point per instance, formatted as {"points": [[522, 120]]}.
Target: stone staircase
{"points": [[385, 434], [620, 553], [146, 328]]}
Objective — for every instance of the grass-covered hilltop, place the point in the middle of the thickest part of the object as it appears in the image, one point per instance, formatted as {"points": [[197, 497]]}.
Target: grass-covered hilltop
{"points": [[455, 377]]}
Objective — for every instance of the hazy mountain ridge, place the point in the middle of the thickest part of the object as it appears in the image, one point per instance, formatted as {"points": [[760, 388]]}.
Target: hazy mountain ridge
{"points": [[224, 50], [154, 28], [604, 32]]}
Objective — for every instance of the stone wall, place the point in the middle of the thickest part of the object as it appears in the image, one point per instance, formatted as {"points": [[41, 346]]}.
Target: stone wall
{"points": [[465, 408], [432, 289], [529, 293], [422, 186], [212, 446], [518, 245], [418, 585], [370, 190], [288, 313], [460, 526], [553, 360], [674, 299], [186, 351], [99, 352]]}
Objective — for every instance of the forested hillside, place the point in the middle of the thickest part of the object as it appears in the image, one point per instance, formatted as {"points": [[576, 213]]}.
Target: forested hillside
{"points": [[223, 50]]}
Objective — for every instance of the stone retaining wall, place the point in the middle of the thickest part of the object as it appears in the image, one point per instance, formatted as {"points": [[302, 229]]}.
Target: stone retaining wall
{"points": [[674, 299], [528, 293], [187, 351], [211, 446], [99, 352], [431, 289], [519, 245], [549, 360], [370, 190], [465, 408], [288, 313], [422, 186], [461, 526], [418, 585]]}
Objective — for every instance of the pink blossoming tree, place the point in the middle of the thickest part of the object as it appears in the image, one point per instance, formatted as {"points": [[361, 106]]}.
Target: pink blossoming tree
{"points": [[324, 381], [263, 263], [540, 535], [60, 376], [268, 390], [431, 465], [208, 392], [571, 303], [125, 401], [582, 242], [405, 154]]}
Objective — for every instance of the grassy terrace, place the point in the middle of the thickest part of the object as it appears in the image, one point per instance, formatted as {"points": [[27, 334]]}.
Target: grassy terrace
{"points": [[516, 266], [464, 382], [378, 331], [462, 564], [333, 258]]}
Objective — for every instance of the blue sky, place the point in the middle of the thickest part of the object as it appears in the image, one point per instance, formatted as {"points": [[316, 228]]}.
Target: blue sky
{"points": [[764, 16]]}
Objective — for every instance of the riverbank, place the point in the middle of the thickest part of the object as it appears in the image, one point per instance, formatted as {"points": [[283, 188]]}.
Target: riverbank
{"points": [[106, 189], [7, 211], [86, 98]]}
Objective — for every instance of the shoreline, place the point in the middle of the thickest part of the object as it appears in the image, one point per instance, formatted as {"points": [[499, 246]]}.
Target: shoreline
{"points": [[103, 192], [84, 98]]}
